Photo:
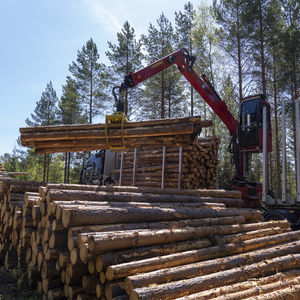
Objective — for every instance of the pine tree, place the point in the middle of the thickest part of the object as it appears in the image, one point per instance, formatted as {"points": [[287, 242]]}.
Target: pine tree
{"points": [[87, 73], [233, 35], [70, 112], [45, 114], [163, 93], [291, 52], [126, 57], [184, 24], [209, 59]]}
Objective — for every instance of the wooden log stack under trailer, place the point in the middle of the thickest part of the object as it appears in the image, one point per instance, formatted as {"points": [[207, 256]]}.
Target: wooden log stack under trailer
{"points": [[75, 138], [198, 170], [147, 243]]}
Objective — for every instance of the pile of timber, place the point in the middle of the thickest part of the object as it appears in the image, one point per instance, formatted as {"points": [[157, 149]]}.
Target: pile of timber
{"points": [[75, 138], [89, 242], [198, 170], [13, 223]]}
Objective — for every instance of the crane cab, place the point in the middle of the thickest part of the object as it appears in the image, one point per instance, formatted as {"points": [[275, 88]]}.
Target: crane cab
{"points": [[250, 127]]}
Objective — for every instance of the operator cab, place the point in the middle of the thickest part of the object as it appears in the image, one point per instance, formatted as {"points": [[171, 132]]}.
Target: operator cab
{"points": [[251, 124]]}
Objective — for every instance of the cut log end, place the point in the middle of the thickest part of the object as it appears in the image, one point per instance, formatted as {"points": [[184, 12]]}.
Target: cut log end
{"points": [[66, 215], [83, 252]]}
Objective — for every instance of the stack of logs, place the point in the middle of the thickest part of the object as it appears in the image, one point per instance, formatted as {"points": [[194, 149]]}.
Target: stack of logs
{"points": [[198, 170], [89, 242], [75, 138], [14, 223]]}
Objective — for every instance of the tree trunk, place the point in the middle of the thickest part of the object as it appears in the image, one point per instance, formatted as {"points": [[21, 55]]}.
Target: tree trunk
{"points": [[239, 53], [262, 50]]}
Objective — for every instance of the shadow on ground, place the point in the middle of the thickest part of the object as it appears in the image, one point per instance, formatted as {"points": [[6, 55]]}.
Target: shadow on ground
{"points": [[14, 286]]}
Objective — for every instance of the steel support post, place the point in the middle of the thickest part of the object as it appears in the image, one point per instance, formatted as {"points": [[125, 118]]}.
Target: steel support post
{"points": [[121, 168], [134, 168], [265, 156], [163, 166], [180, 167]]}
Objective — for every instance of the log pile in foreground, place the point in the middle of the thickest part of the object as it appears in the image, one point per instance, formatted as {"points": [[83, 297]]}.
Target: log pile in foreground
{"points": [[198, 169], [14, 224], [75, 138], [89, 242]]}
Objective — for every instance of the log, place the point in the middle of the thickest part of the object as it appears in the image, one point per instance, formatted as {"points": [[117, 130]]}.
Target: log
{"points": [[208, 196], [177, 259], [90, 216], [49, 270], [113, 289], [57, 293], [107, 241], [89, 284], [278, 278], [74, 232], [133, 189], [176, 289], [290, 293], [58, 240], [50, 283], [123, 256], [276, 289], [208, 267]]}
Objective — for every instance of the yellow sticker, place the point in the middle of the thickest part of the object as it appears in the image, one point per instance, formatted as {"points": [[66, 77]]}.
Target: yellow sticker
{"points": [[157, 64]]}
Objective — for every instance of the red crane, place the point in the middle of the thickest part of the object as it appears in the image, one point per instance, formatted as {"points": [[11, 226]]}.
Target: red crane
{"points": [[246, 133]]}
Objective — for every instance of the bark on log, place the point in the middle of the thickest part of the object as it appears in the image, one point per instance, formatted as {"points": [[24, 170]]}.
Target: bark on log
{"points": [[124, 256], [176, 289], [214, 293], [208, 267], [113, 289], [133, 189], [107, 241], [90, 216], [140, 196], [275, 288], [177, 259]]}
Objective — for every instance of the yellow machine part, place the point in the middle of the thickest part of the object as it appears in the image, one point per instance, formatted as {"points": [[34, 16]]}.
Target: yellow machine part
{"points": [[116, 118]]}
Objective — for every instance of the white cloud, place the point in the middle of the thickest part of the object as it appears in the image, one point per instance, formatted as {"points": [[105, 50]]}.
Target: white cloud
{"points": [[103, 16]]}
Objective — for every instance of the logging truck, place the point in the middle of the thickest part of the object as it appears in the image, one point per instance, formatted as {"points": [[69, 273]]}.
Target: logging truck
{"points": [[246, 132]]}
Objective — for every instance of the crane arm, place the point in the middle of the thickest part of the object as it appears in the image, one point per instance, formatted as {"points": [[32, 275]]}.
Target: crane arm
{"points": [[185, 63]]}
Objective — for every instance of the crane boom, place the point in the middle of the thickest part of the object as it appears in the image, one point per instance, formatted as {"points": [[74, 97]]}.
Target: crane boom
{"points": [[185, 63]]}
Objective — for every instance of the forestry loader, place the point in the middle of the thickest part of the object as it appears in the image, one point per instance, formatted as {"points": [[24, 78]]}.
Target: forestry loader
{"points": [[246, 132]]}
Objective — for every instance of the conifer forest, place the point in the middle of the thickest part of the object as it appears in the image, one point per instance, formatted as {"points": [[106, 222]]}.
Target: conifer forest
{"points": [[243, 47]]}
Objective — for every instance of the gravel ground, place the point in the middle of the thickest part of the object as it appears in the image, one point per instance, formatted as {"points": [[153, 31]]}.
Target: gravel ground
{"points": [[13, 286]]}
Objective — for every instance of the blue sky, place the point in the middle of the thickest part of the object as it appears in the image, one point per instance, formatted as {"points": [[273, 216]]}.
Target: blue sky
{"points": [[39, 39]]}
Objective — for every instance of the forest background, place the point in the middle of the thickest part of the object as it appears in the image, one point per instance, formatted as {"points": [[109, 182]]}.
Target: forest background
{"points": [[243, 47]]}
